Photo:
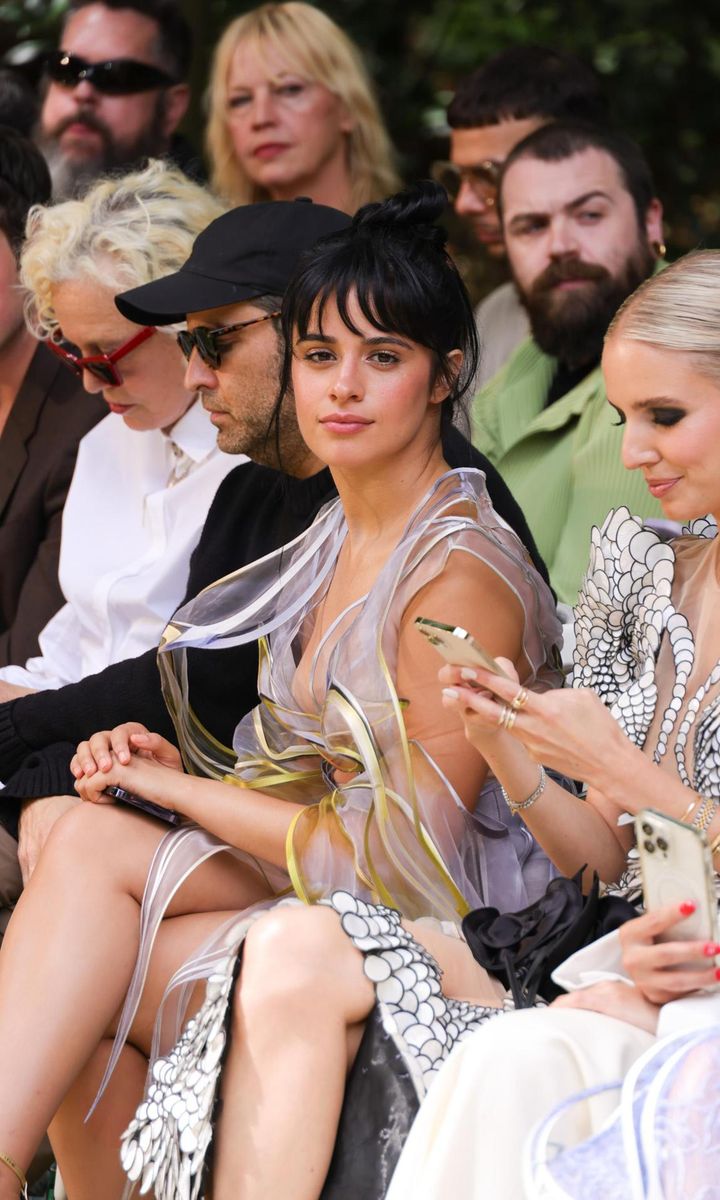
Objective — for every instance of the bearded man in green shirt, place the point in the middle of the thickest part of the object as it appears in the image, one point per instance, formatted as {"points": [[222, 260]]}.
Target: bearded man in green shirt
{"points": [[583, 229]]}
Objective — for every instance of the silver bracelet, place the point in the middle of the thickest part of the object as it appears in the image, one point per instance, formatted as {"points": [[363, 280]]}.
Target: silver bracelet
{"points": [[532, 798]]}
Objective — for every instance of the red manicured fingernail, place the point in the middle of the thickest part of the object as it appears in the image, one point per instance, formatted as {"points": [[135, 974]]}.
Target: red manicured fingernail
{"points": [[717, 972], [710, 949], [687, 907]]}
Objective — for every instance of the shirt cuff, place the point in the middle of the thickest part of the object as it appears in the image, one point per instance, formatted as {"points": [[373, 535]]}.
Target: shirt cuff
{"points": [[599, 962]]}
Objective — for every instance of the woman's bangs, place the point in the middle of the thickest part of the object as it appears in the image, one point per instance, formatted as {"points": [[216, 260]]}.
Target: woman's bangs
{"points": [[290, 46], [390, 295]]}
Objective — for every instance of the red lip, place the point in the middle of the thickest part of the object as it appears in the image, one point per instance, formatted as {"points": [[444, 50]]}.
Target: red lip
{"points": [[344, 419], [118, 408], [269, 150], [345, 424], [660, 487]]}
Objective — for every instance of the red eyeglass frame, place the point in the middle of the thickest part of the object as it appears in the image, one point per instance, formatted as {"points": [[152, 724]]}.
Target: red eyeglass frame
{"points": [[102, 366]]}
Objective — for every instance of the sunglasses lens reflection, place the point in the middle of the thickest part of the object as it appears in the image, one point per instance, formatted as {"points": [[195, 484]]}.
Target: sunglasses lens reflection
{"points": [[207, 346], [118, 77], [67, 356], [186, 342], [202, 340], [105, 372]]}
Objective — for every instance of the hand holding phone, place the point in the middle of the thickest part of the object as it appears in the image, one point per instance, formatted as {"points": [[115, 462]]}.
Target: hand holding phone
{"points": [[457, 646], [152, 810], [676, 866]]}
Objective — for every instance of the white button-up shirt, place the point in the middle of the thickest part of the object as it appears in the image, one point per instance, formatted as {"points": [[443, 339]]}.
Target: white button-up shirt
{"points": [[132, 517]]}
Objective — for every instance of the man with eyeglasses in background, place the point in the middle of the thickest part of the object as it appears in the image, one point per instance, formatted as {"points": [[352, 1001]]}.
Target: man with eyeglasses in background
{"points": [[502, 102], [116, 91], [583, 229], [230, 290]]}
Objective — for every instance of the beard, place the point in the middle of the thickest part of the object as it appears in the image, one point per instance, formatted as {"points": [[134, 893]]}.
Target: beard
{"points": [[72, 176], [571, 325]]}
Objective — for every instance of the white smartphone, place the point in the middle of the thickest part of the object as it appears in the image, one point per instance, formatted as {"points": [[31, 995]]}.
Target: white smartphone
{"points": [[676, 865], [457, 646]]}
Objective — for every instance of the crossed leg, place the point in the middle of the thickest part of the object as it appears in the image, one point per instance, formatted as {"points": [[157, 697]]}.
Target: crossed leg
{"points": [[68, 956]]}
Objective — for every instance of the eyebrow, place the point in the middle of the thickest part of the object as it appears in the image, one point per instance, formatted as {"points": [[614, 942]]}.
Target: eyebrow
{"points": [[383, 339], [657, 402], [651, 402], [569, 207]]}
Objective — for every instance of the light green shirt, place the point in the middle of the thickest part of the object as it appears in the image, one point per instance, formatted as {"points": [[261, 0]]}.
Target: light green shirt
{"points": [[561, 463]]}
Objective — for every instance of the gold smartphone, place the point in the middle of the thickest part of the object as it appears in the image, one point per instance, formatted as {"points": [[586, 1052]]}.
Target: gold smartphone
{"points": [[457, 646], [676, 865]]}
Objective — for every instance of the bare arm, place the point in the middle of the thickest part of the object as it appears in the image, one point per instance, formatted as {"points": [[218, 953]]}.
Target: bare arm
{"points": [[253, 821], [257, 822], [468, 593], [572, 731]]}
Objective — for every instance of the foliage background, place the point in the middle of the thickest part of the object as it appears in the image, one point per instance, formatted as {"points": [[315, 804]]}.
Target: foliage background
{"points": [[659, 60]]}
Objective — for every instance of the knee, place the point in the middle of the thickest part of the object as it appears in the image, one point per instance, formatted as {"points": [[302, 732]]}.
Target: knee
{"points": [[299, 960], [80, 834]]}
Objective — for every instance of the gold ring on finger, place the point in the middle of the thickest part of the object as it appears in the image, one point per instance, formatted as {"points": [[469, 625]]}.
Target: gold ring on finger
{"points": [[520, 700], [507, 717]]}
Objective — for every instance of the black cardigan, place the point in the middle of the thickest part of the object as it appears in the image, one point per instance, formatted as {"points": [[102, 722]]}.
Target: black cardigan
{"points": [[255, 510]]}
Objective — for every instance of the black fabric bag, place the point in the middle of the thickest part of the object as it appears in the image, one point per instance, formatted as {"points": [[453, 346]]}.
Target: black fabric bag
{"points": [[522, 949]]}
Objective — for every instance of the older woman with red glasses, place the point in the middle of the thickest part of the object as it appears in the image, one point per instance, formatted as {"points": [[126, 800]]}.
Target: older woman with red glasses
{"points": [[136, 503]]}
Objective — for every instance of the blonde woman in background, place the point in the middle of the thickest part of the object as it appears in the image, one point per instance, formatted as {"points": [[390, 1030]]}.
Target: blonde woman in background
{"points": [[293, 113]]}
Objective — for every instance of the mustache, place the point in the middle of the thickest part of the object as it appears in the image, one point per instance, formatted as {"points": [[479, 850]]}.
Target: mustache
{"points": [[83, 116], [567, 270]]}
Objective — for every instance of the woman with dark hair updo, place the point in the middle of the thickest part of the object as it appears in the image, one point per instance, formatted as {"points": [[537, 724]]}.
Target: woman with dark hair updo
{"points": [[321, 878]]}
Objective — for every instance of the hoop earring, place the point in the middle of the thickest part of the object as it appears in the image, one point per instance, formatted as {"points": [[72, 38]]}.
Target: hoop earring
{"points": [[660, 249]]}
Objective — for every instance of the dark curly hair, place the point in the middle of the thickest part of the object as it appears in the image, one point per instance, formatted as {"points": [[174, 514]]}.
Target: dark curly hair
{"points": [[24, 181]]}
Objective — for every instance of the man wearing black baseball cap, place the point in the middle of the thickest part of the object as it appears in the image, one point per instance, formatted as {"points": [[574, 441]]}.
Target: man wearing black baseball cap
{"points": [[230, 289]]}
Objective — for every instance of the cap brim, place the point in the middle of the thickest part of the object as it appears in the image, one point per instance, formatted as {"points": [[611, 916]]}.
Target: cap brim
{"points": [[169, 300]]}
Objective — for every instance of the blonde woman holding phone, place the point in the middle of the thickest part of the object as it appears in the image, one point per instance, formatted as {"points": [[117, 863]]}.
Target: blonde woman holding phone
{"points": [[642, 729]]}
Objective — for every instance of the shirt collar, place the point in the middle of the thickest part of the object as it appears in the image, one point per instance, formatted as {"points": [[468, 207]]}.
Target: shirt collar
{"points": [[194, 434]]}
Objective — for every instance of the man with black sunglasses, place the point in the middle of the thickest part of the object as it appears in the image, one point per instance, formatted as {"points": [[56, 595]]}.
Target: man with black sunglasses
{"points": [[116, 91], [230, 290]]}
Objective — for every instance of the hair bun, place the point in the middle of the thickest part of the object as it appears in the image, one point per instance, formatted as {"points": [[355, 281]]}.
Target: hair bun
{"points": [[413, 212]]}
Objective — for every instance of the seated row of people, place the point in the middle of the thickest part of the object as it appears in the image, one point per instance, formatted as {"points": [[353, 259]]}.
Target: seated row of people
{"points": [[149, 509], [291, 107], [360, 794], [520, 91]]}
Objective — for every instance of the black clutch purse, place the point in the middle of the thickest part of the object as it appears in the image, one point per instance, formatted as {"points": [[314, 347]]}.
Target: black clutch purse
{"points": [[522, 949]]}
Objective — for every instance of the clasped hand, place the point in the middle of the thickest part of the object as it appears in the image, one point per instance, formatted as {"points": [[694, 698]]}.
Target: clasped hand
{"points": [[128, 756]]}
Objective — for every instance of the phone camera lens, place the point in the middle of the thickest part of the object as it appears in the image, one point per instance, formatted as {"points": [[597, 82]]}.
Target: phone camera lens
{"points": [[649, 846], [647, 829], [662, 844]]}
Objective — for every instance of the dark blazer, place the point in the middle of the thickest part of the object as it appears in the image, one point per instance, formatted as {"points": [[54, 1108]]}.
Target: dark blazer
{"points": [[38, 445]]}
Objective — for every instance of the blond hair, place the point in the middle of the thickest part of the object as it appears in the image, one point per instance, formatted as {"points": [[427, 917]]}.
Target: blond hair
{"points": [[122, 233], [321, 53], [678, 309]]}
